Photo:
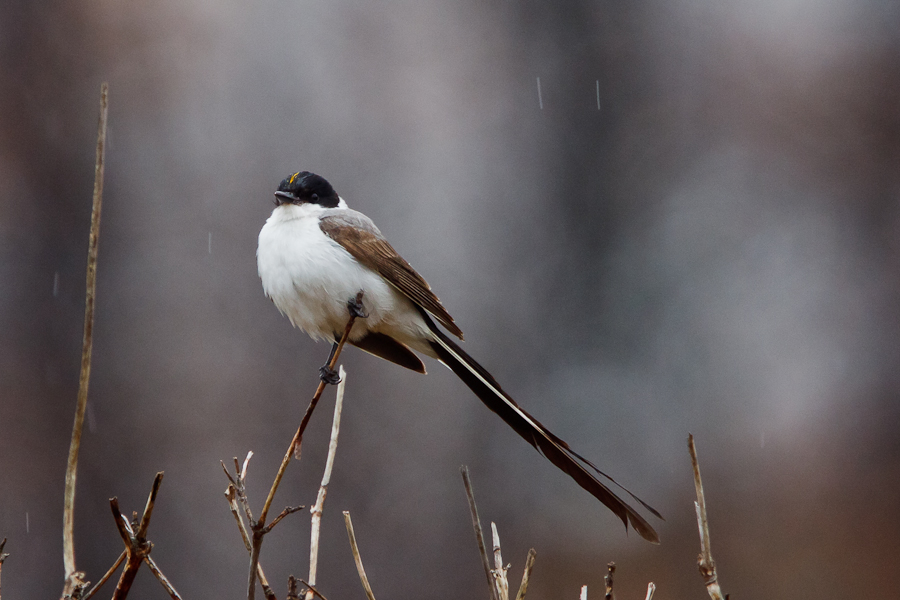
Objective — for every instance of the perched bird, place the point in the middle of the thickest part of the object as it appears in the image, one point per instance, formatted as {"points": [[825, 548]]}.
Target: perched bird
{"points": [[315, 255]]}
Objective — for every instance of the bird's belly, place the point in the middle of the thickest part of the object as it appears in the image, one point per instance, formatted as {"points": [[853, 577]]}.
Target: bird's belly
{"points": [[310, 279]]}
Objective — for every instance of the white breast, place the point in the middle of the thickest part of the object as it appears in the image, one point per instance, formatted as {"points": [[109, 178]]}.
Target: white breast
{"points": [[310, 278]]}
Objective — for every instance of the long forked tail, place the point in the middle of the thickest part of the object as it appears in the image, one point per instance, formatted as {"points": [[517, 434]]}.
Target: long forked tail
{"points": [[556, 450]]}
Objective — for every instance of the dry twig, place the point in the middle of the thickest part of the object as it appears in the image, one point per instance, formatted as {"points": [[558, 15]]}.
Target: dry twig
{"points": [[74, 583], [316, 510], [479, 534], [499, 571], [529, 565], [3, 555], [357, 558], [610, 571], [705, 560], [651, 587], [583, 592], [137, 546]]}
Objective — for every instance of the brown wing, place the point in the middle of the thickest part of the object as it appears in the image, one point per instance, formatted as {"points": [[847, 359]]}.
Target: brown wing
{"points": [[359, 236]]}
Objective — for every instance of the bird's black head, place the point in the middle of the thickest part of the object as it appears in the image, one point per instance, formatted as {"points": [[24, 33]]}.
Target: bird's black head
{"points": [[306, 188]]}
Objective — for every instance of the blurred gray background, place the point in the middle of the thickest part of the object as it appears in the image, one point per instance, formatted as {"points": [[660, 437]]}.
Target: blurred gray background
{"points": [[692, 227]]}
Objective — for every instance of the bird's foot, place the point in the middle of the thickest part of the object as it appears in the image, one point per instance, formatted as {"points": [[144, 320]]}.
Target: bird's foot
{"points": [[329, 375], [356, 308]]}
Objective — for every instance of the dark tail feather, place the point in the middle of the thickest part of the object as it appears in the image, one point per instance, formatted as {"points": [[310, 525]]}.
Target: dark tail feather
{"points": [[556, 450]]}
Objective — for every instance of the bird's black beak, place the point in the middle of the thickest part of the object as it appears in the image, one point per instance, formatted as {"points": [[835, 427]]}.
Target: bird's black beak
{"points": [[284, 198]]}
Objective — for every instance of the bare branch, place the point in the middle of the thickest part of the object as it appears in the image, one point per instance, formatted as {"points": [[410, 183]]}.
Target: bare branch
{"points": [[705, 561], [610, 571], [3, 556], [499, 571], [651, 587], [316, 510], [311, 590], [294, 448], [161, 578], [106, 577], [479, 535], [74, 580], [356, 557], [529, 565], [583, 592]]}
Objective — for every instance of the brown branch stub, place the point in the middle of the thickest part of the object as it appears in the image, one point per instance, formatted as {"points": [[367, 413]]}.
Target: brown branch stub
{"points": [[3, 555], [311, 590], [705, 561], [529, 565], [356, 557], [499, 571], [292, 588], [610, 571], [479, 534], [106, 577], [74, 584], [137, 546]]}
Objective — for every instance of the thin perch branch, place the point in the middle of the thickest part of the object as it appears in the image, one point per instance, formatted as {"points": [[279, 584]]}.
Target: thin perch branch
{"points": [[705, 560], [316, 510], [479, 534], [356, 557], [610, 571], [529, 565], [298, 437], [499, 571], [651, 587], [74, 580]]}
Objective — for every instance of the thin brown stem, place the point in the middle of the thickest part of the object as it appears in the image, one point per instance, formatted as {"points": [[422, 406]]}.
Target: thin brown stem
{"points": [[357, 558], [610, 571], [316, 525], [106, 577], [74, 580], [479, 534], [3, 557], [705, 560], [298, 436], [162, 578], [310, 589], [529, 565]]}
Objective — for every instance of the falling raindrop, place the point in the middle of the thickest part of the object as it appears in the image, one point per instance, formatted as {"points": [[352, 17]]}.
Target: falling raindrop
{"points": [[56, 284], [598, 94], [209, 243], [27, 524], [540, 100]]}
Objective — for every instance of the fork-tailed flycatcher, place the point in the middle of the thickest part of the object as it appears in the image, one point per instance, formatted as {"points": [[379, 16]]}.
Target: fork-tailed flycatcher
{"points": [[315, 254]]}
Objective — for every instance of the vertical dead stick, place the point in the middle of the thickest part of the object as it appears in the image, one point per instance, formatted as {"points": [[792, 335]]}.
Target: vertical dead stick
{"points": [[74, 581], [583, 592], [610, 571], [316, 510], [479, 534], [499, 570], [3, 557], [705, 560], [529, 565], [651, 587], [356, 557]]}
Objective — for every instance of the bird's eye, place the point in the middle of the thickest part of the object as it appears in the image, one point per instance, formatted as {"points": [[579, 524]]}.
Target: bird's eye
{"points": [[315, 196]]}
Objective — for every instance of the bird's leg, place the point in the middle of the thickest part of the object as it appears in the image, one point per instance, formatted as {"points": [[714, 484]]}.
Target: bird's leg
{"points": [[356, 308], [357, 311], [326, 373]]}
